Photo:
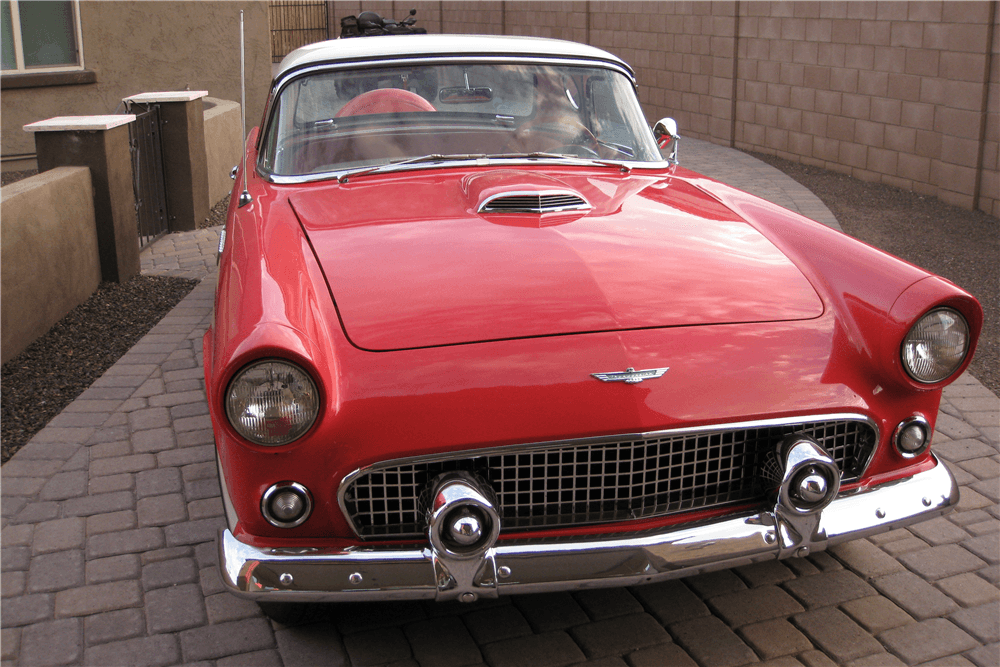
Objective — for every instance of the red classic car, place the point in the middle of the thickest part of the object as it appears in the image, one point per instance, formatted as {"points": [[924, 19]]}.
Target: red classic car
{"points": [[478, 333]]}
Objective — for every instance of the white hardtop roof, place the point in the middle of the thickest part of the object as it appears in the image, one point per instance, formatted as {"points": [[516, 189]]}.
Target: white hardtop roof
{"points": [[410, 46]]}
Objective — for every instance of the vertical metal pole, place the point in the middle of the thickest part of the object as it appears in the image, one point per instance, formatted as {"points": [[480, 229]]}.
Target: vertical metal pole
{"points": [[736, 74], [977, 188], [245, 197]]}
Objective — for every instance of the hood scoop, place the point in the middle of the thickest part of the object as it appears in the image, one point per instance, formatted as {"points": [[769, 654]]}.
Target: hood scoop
{"points": [[515, 191], [534, 202]]}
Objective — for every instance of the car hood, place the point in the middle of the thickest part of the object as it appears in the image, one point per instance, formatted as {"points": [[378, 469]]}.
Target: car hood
{"points": [[411, 262]]}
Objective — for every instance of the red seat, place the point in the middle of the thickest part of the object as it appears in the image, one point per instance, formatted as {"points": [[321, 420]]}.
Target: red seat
{"points": [[385, 100]]}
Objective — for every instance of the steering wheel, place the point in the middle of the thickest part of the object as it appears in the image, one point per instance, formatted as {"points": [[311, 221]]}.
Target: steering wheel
{"points": [[385, 100], [573, 136]]}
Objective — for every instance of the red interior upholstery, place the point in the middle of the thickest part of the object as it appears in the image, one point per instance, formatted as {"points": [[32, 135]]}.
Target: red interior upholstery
{"points": [[385, 100]]}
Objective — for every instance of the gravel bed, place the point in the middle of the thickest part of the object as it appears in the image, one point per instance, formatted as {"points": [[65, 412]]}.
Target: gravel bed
{"points": [[8, 177], [55, 369], [960, 245], [217, 216]]}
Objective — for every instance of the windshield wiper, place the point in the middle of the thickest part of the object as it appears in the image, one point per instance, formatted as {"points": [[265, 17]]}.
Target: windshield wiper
{"points": [[538, 155], [461, 157], [433, 157]]}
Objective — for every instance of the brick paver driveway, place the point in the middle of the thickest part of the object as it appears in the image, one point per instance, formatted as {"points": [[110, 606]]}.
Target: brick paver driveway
{"points": [[110, 516]]}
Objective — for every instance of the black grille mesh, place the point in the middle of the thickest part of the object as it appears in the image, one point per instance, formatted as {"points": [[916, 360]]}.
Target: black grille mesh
{"points": [[580, 483]]}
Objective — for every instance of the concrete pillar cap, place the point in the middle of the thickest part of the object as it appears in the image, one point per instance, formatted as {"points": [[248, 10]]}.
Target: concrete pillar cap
{"points": [[70, 123], [168, 96]]}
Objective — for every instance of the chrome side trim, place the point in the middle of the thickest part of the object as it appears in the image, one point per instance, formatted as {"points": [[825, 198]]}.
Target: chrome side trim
{"points": [[380, 572], [597, 440], [227, 501]]}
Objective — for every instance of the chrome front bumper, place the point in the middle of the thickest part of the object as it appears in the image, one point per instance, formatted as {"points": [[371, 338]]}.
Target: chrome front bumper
{"points": [[376, 572]]}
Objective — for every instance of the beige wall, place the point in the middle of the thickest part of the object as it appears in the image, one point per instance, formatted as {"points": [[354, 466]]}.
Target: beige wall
{"points": [[48, 260], [223, 149], [137, 47], [892, 92]]}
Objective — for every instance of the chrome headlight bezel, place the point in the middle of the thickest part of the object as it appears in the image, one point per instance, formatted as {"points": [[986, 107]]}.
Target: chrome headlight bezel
{"points": [[279, 395], [921, 350]]}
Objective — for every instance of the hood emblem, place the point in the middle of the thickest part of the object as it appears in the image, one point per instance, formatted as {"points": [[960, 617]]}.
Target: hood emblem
{"points": [[631, 376]]}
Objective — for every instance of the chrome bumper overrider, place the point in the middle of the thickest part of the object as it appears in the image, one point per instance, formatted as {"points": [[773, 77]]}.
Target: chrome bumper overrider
{"points": [[378, 572]]}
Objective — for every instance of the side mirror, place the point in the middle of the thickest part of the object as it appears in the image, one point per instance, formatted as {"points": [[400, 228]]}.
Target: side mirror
{"points": [[665, 132]]}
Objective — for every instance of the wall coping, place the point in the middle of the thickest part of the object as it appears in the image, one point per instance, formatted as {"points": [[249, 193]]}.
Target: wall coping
{"points": [[70, 123], [168, 96]]}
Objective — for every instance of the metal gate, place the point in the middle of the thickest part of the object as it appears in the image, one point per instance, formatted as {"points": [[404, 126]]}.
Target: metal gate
{"points": [[295, 23], [147, 173]]}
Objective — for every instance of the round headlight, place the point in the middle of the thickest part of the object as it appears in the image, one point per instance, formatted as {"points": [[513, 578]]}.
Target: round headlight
{"points": [[272, 402], [936, 345]]}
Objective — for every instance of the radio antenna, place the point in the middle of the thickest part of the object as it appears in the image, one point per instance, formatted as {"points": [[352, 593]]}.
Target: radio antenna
{"points": [[245, 197]]}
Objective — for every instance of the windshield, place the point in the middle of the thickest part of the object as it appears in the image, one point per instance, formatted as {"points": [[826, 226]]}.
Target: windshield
{"points": [[338, 120]]}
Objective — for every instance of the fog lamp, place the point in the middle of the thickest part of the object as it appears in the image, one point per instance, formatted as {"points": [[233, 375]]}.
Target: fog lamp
{"points": [[286, 504], [912, 436]]}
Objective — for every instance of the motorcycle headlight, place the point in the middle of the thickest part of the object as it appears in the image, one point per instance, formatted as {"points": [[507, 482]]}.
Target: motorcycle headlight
{"points": [[936, 345], [272, 402]]}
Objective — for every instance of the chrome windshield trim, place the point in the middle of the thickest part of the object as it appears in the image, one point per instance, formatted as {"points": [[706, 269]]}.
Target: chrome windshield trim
{"points": [[389, 168], [597, 440], [396, 572], [442, 45], [392, 61]]}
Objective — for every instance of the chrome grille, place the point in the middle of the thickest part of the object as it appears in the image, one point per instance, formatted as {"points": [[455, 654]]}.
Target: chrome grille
{"points": [[602, 479], [534, 202]]}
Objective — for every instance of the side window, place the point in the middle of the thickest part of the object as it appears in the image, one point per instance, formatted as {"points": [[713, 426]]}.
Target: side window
{"points": [[40, 36]]}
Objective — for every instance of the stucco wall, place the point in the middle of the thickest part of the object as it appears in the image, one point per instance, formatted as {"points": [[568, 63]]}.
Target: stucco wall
{"points": [[48, 262], [891, 92], [222, 145], [137, 47]]}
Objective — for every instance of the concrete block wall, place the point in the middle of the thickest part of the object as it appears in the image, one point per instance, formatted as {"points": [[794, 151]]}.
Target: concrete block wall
{"points": [[893, 92], [49, 261], [223, 148]]}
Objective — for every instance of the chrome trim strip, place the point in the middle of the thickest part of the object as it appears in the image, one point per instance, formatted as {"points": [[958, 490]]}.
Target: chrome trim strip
{"points": [[388, 168], [586, 206], [380, 572], [227, 501], [597, 440]]}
